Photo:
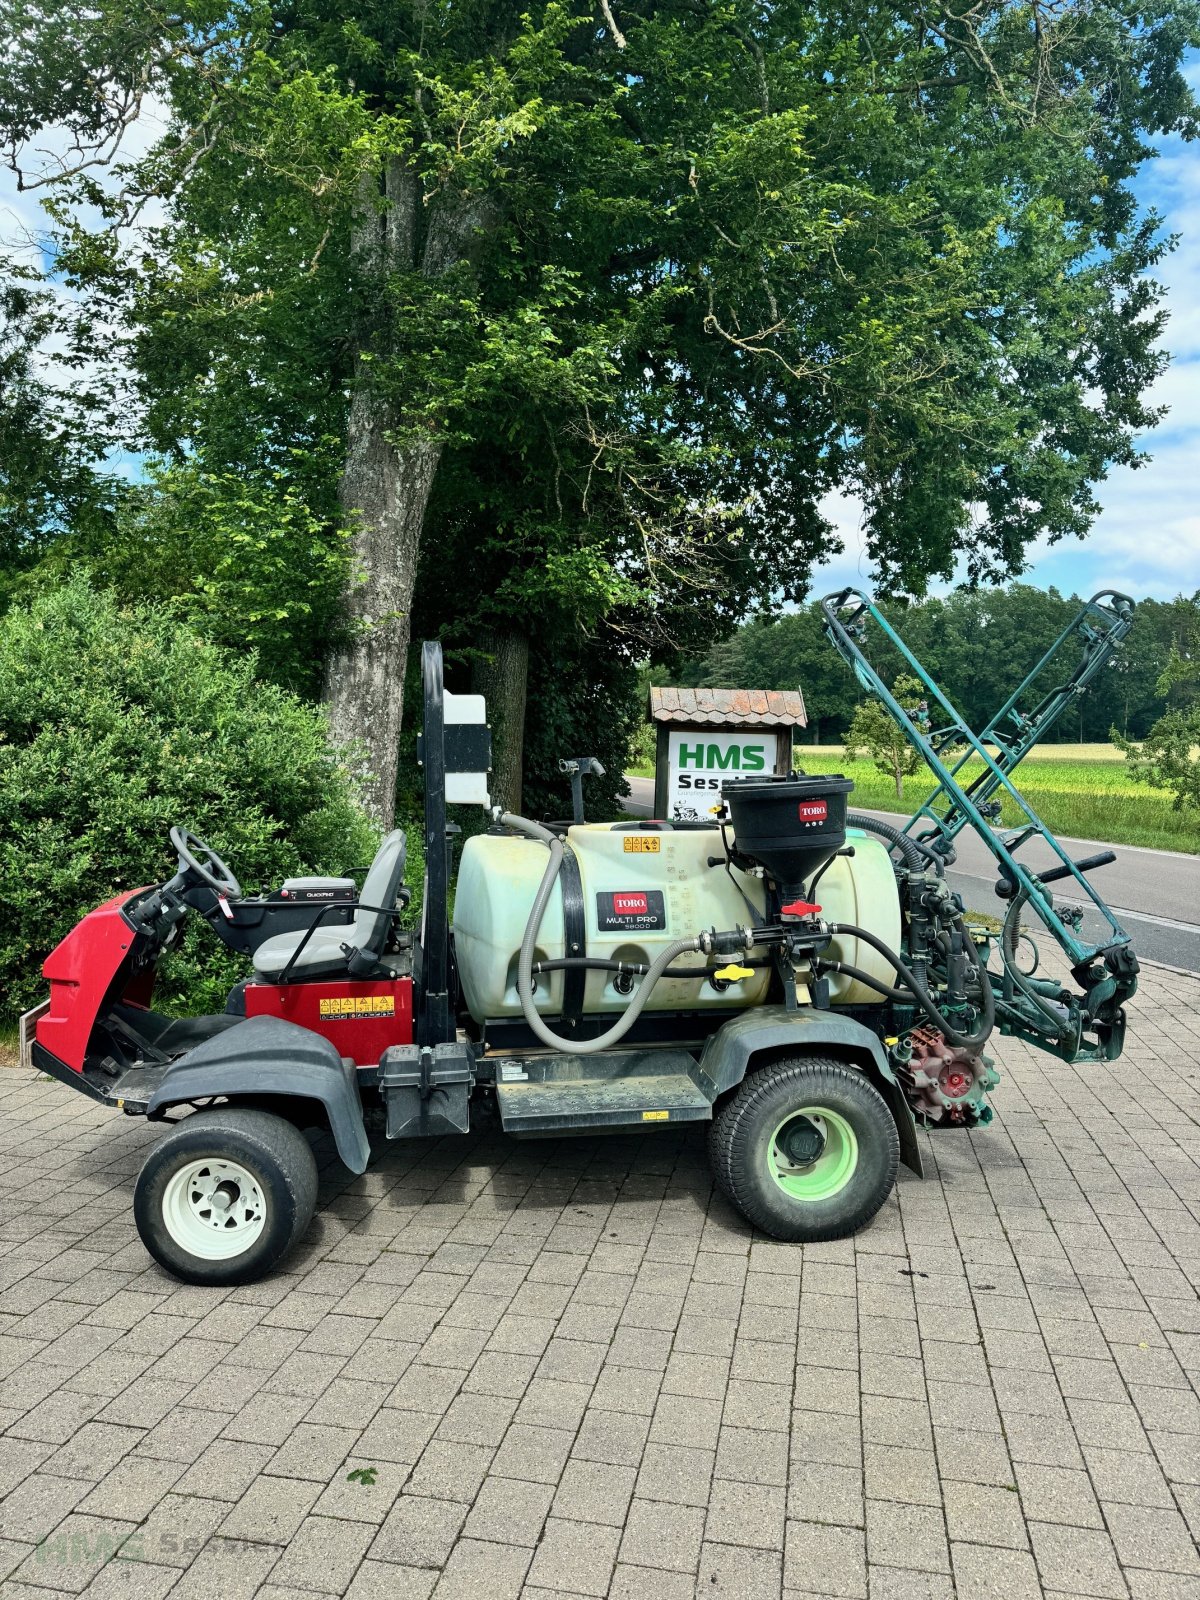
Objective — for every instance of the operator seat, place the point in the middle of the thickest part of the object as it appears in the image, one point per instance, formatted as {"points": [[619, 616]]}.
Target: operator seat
{"points": [[341, 952]]}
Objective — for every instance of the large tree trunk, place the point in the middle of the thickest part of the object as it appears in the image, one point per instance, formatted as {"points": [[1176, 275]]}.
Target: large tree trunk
{"points": [[386, 484], [384, 492], [502, 676]]}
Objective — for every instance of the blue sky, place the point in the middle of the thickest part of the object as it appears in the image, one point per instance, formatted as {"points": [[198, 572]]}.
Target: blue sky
{"points": [[1147, 538]]}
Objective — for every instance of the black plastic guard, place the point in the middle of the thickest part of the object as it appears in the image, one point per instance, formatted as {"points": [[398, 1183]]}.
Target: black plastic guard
{"points": [[268, 1056], [427, 1089]]}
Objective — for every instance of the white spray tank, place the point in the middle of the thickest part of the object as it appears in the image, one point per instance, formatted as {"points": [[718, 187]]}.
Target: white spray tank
{"points": [[635, 889]]}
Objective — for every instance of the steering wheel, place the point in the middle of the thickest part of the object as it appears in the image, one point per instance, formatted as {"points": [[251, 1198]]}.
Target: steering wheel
{"points": [[202, 860]]}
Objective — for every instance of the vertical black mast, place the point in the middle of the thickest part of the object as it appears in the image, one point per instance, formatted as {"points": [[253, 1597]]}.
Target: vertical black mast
{"points": [[434, 1024]]}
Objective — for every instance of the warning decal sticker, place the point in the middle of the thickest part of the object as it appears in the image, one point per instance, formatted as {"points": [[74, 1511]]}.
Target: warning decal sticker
{"points": [[641, 844], [356, 1007], [631, 909]]}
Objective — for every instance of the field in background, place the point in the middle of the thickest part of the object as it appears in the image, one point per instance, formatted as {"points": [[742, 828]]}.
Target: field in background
{"points": [[1082, 790]]}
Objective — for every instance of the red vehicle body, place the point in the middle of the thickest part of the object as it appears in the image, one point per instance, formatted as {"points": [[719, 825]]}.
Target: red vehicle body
{"points": [[99, 966]]}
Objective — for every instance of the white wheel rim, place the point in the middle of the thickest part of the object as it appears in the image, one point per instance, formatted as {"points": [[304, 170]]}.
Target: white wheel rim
{"points": [[214, 1208]]}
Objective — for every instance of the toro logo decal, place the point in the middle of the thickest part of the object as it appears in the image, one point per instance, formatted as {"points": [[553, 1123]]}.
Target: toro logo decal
{"points": [[814, 811], [625, 909]]}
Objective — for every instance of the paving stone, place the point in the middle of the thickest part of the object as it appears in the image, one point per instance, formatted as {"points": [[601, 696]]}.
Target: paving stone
{"points": [[575, 1557], [983, 1514], [476, 1568], [357, 1501], [396, 1435], [898, 1583], [1077, 1560], [92, 1450], [534, 1455], [184, 1435], [547, 1403], [231, 1569], [835, 1557], [658, 1534], [131, 1580], [594, 1491], [675, 1474], [1126, 1478], [746, 1514], [176, 1531], [982, 1572], [38, 1505], [890, 1473], [449, 1471], [56, 1419], [752, 1457], [419, 1532], [906, 1536], [1058, 1494], [70, 1556], [739, 1572], [1157, 1539], [641, 1583], [324, 1554], [384, 1580], [271, 1510], [508, 1512]]}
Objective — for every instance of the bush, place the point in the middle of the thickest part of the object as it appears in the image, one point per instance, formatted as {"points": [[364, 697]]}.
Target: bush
{"points": [[116, 723], [1167, 756]]}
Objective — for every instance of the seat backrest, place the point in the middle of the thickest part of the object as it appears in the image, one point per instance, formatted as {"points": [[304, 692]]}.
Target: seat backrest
{"points": [[381, 887]]}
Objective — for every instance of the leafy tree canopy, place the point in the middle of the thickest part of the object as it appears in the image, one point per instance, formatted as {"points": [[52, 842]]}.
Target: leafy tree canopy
{"points": [[680, 267]]}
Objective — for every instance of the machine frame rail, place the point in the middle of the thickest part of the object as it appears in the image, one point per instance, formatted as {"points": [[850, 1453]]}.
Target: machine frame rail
{"points": [[846, 615]]}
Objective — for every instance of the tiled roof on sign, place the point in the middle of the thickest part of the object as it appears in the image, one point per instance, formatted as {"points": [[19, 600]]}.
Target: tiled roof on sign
{"points": [[729, 708]]}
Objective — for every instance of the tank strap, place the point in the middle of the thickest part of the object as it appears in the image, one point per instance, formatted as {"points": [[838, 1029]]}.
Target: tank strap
{"points": [[574, 935]]}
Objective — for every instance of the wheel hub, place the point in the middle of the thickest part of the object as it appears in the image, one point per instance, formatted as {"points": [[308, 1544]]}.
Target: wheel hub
{"points": [[214, 1208], [802, 1141], [812, 1155]]}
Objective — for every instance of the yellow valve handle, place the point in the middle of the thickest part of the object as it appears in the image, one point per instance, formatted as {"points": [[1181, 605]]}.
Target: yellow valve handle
{"points": [[732, 973]]}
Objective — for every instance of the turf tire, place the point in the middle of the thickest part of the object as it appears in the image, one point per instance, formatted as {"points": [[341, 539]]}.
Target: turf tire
{"points": [[741, 1137], [276, 1154]]}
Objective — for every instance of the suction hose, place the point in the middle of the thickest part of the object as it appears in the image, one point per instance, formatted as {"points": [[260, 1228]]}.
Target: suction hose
{"points": [[575, 1047], [1059, 1024], [917, 856], [968, 1041]]}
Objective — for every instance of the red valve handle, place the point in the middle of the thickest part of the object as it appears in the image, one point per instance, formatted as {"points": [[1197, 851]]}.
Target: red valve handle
{"points": [[800, 908]]}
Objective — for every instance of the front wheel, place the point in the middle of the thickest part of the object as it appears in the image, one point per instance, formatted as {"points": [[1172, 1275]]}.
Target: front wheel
{"points": [[806, 1150], [225, 1195]]}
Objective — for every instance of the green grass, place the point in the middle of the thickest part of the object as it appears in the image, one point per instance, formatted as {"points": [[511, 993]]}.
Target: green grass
{"points": [[1083, 790]]}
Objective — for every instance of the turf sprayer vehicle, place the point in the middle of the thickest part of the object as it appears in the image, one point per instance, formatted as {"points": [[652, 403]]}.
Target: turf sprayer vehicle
{"points": [[801, 978]]}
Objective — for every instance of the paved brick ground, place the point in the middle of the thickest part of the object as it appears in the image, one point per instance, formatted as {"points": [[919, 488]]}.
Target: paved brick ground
{"points": [[577, 1373]]}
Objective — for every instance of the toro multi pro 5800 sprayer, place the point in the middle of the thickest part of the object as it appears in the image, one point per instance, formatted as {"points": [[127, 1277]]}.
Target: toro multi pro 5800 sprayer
{"points": [[802, 979]]}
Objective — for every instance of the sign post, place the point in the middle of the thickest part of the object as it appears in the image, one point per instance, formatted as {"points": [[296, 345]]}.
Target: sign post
{"points": [[706, 736]]}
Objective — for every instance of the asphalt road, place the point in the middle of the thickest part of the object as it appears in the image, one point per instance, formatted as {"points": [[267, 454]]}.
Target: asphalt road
{"points": [[1155, 894]]}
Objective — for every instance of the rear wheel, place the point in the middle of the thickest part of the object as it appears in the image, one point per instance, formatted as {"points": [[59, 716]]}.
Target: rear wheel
{"points": [[225, 1195], [806, 1150]]}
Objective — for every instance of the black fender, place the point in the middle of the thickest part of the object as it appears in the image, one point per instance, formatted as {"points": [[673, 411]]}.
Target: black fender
{"points": [[728, 1053], [268, 1056]]}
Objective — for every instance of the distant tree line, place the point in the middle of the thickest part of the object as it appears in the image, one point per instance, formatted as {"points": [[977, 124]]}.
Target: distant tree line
{"points": [[978, 644]]}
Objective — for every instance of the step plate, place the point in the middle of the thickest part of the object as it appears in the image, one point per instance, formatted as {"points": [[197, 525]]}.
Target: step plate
{"points": [[635, 1100]]}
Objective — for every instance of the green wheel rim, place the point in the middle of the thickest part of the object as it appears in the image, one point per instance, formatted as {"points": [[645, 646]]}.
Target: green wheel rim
{"points": [[833, 1168]]}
